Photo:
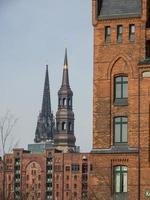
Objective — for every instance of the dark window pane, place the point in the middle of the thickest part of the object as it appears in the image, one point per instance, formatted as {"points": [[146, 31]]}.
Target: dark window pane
{"points": [[107, 34], [124, 132], [117, 133], [118, 91]]}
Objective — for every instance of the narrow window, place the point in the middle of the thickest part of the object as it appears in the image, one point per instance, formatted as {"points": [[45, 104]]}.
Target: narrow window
{"points": [[57, 194], [67, 168], [64, 126], [64, 102], [69, 102], [75, 194], [119, 33], [75, 186], [70, 126], [67, 186], [107, 34], [120, 179], [120, 129], [121, 90], [57, 126], [132, 32], [148, 49], [59, 101], [148, 15]]}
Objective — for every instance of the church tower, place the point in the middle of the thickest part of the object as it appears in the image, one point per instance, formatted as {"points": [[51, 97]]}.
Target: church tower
{"points": [[45, 125], [64, 138]]}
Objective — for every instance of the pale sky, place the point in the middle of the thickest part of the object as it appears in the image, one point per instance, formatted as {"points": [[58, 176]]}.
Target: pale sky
{"points": [[34, 33]]}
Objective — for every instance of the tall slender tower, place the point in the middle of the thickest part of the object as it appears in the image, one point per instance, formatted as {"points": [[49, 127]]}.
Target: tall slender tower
{"points": [[45, 124], [64, 137]]}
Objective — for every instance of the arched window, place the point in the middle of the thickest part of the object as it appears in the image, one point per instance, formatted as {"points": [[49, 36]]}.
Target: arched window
{"points": [[64, 102], [64, 126], [120, 179], [120, 130]]}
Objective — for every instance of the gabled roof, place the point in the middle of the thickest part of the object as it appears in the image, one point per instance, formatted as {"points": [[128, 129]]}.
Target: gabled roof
{"points": [[111, 9]]}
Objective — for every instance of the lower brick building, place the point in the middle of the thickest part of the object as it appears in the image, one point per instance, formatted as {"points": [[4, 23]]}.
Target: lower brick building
{"points": [[48, 175]]}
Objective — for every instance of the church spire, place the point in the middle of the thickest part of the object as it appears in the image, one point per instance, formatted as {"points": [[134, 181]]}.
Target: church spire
{"points": [[45, 124], [46, 104], [64, 137], [65, 79]]}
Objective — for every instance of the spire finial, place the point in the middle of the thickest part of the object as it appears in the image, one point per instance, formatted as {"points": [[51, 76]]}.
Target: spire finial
{"points": [[66, 60], [46, 66]]}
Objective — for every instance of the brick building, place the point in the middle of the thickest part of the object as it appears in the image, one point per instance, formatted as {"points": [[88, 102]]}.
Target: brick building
{"points": [[118, 167], [48, 175], [121, 112]]}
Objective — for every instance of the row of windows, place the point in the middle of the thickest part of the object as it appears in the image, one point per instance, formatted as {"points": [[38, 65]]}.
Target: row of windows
{"points": [[65, 102], [63, 126], [76, 167], [119, 37], [75, 177], [67, 194]]}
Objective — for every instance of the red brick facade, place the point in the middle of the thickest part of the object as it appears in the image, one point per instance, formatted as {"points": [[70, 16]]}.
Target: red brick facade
{"points": [[48, 175], [112, 59]]}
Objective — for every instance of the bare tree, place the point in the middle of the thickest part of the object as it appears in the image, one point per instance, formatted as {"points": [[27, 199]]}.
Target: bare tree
{"points": [[7, 124]]}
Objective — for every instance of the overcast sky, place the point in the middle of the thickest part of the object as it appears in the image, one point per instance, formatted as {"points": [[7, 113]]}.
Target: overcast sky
{"points": [[34, 33]]}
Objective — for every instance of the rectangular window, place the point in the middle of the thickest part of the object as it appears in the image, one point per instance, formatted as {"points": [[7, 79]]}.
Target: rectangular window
{"points": [[68, 168], [107, 34], [121, 90], [148, 49], [121, 129], [67, 186], [119, 33], [120, 179], [75, 167], [57, 168], [132, 32]]}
